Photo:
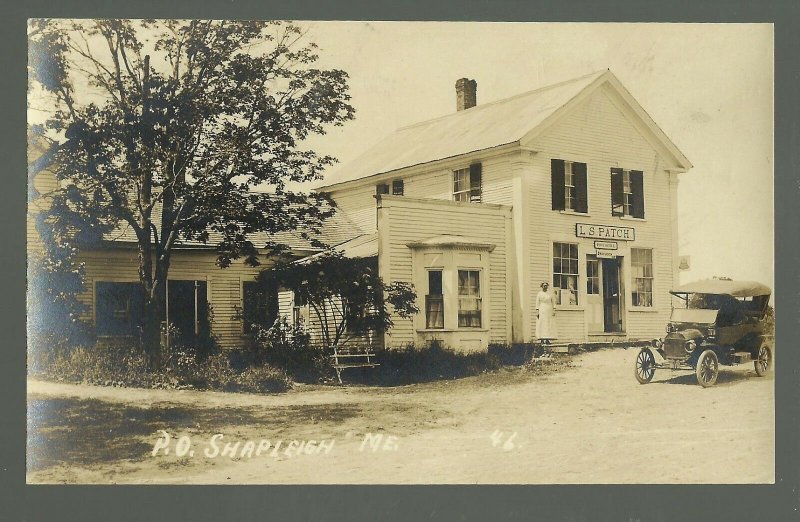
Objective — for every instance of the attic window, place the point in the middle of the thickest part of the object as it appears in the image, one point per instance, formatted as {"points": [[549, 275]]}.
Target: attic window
{"points": [[395, 188], [467, 184]]}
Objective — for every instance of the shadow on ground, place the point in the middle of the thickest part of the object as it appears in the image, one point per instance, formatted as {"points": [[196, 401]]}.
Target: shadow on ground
{"points": [[725, 378], [87, 432]]}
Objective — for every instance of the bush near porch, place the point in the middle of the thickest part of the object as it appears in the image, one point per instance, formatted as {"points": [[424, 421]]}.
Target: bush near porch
{"points": [[431, 362]]}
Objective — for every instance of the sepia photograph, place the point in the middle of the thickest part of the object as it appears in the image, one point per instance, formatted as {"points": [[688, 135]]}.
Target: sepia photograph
{"points": [[307, 252]]}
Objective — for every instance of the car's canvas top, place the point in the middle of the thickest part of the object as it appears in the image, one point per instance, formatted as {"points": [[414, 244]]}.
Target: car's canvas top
{"points": [[724, 286]]}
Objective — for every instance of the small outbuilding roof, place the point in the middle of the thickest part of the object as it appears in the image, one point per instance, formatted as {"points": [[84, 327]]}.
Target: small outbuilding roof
{"points": [[482, 127], [724, 287], [363, 246]]}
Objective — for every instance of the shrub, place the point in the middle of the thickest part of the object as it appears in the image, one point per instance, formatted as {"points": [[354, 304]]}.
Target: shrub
{"points": [[260, 379], [431, 362], [288, 348], [181, 367]]}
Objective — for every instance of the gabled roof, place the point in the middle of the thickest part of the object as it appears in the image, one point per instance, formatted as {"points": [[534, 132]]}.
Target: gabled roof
{"points": [[485, 127]]}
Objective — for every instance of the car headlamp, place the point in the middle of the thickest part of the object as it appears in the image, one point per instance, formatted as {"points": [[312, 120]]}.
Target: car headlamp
{"points": [[712, 333], [690, 346]]}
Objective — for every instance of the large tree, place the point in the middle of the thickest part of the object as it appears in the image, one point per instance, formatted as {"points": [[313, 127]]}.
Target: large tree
{"points": [[166, 127]]}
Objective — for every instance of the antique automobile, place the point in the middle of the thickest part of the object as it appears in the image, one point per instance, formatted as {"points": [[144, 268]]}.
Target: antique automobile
{"points": [[719, 322]]}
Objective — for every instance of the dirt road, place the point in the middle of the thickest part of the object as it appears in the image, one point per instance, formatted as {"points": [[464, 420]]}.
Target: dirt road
{"points": [[591, 423]]}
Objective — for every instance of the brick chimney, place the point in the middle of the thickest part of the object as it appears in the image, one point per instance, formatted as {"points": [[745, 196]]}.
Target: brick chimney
{"points": [[466, 91]]}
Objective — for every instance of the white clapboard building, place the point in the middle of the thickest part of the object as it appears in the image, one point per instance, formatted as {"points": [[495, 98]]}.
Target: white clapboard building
{"points": [[573, 184]]}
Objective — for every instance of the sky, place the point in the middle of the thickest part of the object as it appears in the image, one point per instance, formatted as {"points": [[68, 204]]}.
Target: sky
{"points": [[708, 86]]}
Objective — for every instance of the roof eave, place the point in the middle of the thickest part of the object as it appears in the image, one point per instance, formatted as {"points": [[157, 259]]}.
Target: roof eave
{"points": [[466, 156]]}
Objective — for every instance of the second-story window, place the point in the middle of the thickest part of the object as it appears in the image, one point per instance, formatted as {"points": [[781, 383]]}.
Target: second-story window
{"points": [[627, 193], [467, 184], [394, 187], [569, 185]]}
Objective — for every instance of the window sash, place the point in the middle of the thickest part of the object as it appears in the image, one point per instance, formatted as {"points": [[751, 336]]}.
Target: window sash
{"points": [[569, 187], [469, 298], [434, 311], [642, 277], [592, 275], [565, 272], [434, 301], [465, 188]]}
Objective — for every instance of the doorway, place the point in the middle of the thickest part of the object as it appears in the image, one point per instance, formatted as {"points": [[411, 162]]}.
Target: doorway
{"points": [[612, 313]]}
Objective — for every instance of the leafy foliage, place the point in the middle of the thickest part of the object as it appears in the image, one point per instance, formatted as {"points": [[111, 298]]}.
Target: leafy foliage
{"points": [[347, 296], [289, 348], [166, 127], [181, 368]]}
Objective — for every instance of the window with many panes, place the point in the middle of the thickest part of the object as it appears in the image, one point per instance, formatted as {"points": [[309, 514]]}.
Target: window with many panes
{"points": [[259, 305], [642, 277], [627, 193], [569, 185], [565, 273], [434, 301], [592, 275], [467, 184], [469, 298]]}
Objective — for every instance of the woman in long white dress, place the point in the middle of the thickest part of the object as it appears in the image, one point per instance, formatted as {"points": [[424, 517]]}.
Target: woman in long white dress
{"points": [[545, 313]]}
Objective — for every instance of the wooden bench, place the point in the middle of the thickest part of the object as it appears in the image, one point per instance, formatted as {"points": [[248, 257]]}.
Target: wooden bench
{"points": [[341, 361]]}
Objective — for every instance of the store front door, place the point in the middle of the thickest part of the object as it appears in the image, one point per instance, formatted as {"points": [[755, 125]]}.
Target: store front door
{"points": [[612, 316]]}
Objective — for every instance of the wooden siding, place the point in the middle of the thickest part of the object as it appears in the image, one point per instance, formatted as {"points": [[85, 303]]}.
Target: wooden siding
{"points": [[600, 133], [433, 182], [403, 220], [224, 286]]}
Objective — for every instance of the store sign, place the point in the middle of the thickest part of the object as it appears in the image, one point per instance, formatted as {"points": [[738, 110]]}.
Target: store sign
{"points": [[604, 254], [606, 245], [605, 232]]}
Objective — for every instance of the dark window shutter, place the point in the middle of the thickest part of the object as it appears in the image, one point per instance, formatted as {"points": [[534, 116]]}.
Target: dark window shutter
{"points": [[637, 188], [397, 187], [557, 183], [475, 182], [617, 193], [579, 179], [381, 188]]}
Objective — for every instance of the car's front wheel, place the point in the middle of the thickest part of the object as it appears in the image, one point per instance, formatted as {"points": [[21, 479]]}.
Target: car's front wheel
{"points": [[763, 361], [707, 369], [645, 366]]}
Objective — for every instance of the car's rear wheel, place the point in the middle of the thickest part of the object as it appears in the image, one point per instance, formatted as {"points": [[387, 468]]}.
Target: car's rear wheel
{"points": [[707, 369], [763, 361], [645, 366]]}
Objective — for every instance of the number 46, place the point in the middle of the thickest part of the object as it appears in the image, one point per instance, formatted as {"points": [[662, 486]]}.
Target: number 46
{"points": [[497, 439]]}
